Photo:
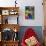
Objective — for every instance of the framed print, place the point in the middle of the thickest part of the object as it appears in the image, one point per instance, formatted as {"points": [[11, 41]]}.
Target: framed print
{"points": [[29, 12], [5, 12]]}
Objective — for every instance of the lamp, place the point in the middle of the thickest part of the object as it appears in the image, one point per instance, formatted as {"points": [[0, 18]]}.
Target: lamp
{"points": [[15, 3]]}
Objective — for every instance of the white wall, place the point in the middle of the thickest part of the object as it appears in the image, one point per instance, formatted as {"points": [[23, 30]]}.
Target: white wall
{"points": [[38, 21]]}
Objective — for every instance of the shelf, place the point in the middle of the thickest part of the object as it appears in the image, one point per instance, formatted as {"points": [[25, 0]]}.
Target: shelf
{"points": [[9, 15], [9, 20], [11, 26], [11, 41], [12, 19]]}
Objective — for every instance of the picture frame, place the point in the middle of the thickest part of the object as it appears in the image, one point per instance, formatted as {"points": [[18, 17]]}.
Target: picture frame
{"points": [[5, 12], [29, 12]]}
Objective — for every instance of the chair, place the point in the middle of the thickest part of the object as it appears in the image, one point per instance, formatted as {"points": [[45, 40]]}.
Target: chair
{"points": [[28, 34]]}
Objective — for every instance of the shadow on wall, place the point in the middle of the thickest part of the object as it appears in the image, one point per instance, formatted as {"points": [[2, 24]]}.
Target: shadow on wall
{"points": [[37, 29]]}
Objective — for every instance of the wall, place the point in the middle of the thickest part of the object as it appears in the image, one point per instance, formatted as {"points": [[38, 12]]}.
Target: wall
{"points": [[38, 21]]}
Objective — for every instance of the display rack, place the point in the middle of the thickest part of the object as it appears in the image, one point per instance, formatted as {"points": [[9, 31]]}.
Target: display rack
{"points": [[9, 23]]}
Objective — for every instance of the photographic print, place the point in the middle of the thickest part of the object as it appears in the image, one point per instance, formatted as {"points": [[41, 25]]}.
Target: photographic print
{"points": [[5, 12], [29, 12]]}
